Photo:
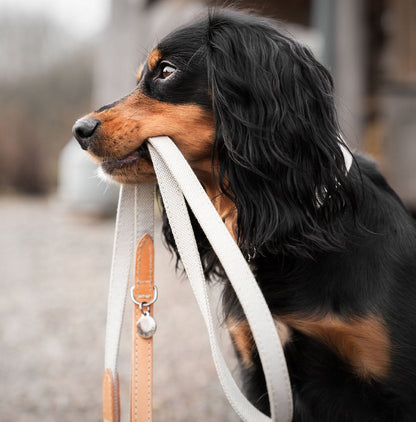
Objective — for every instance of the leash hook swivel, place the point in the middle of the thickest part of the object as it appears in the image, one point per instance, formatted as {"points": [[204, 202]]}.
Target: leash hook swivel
{"points": [[146, 325]]}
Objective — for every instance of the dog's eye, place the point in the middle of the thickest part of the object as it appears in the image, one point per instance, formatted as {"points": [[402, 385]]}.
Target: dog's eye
{"points": [[167, 70]]}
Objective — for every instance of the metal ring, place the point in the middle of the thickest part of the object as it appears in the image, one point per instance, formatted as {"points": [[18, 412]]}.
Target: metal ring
{"points": [[142, 304]]}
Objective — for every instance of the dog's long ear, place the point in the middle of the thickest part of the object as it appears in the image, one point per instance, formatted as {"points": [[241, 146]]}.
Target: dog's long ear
{"points": [[278, 139]]}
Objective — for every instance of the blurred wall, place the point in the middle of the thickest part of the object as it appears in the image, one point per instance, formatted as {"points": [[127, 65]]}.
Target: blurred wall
{"points": [[45, 79], [135, 27], [369, 45], [397, 98]]}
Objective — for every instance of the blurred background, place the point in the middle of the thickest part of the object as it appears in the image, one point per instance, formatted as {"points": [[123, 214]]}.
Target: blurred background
{"points": [[61, 59]]}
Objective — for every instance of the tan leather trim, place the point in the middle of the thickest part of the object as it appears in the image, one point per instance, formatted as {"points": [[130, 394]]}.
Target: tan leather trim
{"points": [[141, 388], [111, 398]]}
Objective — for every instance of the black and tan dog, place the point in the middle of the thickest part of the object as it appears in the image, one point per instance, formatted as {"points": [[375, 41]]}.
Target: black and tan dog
{"points": [[334, 251]]}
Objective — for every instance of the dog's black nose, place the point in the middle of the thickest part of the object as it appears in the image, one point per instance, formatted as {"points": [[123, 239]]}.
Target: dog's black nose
{"points": [[83, 130]]}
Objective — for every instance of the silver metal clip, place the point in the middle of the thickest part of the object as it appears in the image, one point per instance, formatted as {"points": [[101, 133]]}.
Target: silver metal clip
{"points": [[146, 325], [144, 304]]}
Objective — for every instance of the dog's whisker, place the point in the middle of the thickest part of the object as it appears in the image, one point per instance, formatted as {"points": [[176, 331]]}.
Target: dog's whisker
{"points": [[129, 118]]}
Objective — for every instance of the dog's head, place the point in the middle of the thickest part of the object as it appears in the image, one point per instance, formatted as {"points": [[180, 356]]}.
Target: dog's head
{"points": [[171, 98], [253, 113]]}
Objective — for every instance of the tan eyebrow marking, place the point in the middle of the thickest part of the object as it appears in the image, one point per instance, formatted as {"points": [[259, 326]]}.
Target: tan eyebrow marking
{"points": [[140, 72], [153, 59]]}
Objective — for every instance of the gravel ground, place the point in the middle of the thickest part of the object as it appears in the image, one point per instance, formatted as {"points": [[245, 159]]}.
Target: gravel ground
{"points": [[54, 281]]}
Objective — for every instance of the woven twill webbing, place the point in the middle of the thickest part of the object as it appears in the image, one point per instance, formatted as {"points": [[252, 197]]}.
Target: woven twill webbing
{"points": [[177, 182]]}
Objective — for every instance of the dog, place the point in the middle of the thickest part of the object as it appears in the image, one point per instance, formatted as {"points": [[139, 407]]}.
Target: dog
{"points": [[331, 245]]}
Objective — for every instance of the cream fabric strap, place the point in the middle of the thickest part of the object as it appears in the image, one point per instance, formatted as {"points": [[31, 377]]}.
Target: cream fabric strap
{"points": [[143, 292], [177, 183], [135, 219], [131, 224]]}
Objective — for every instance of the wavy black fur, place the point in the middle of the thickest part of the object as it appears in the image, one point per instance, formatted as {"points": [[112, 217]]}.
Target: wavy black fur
{"points": [[277, 136], [324, 241]]}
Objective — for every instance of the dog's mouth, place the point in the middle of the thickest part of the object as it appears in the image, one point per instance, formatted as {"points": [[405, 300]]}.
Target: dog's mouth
{"points": [[129, 160]]}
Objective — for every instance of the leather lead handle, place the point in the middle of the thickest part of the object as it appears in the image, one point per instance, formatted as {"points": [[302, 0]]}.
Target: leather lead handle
{"points": [[141, 405]]}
